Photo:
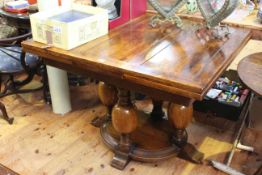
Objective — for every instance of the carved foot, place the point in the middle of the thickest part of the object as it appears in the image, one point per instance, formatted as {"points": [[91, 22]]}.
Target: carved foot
{"points": [[120, 160], [189, 152], [10, 120], [99, 121]]}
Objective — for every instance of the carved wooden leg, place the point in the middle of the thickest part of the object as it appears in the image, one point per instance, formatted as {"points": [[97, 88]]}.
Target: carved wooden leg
{"points": [[5, 116], [180, 116], [108, 96], [157, 112], [124, 119]]}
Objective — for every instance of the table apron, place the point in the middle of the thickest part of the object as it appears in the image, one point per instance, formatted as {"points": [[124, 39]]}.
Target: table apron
{"points": [[123, 83]]}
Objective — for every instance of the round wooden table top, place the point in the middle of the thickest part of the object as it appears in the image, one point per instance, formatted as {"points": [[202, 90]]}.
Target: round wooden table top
{"points": [[250, 72]]}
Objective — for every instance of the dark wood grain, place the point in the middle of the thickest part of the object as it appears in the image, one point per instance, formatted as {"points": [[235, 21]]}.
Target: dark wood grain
{"points": [[135, 54], [250, 72], [6, 171]]}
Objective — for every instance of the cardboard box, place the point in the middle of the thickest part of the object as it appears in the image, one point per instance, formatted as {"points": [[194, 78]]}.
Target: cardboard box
{"points": [[69, 28]]}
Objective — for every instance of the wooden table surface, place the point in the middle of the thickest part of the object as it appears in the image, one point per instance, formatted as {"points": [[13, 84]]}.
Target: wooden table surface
{"points": [[136, 56], [250, 72], [166, 63]]}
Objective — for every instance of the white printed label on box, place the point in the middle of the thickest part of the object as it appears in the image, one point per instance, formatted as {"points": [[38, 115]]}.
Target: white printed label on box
{"points": [[57, 35], [86, 31], [40, 30], [57, 29]]}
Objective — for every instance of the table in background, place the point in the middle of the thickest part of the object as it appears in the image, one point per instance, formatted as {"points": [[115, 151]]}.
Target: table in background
{"points": [[173, 65], [20, 20], [250, 72]]}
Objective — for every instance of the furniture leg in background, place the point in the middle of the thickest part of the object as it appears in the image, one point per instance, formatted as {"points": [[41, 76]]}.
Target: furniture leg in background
{"points": [[5, 115], [157, 112], [108, 97]]}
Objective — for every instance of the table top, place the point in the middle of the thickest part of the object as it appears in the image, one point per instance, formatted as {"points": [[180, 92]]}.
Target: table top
{"points": [[137, 55], [250, 72]]}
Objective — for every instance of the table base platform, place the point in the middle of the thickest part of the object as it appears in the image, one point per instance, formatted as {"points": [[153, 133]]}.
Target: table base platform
{"points": [[150, 141], [146, 137]]}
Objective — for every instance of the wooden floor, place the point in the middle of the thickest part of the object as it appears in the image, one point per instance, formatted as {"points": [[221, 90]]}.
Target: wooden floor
{"points": [[42, 143]]}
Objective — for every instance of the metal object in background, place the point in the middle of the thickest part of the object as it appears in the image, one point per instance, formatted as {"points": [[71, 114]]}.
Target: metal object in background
{"points": [[166, 13], [191, 6], [236, 143], [226, 169], [213, 14], [245, 119]]}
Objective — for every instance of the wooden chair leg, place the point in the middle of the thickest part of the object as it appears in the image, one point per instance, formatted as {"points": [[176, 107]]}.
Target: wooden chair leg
{"points": [[2, 107], [5, 116]]}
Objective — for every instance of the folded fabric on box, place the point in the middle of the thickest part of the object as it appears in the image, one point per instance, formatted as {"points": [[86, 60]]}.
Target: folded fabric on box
{"points": [[17, 4]]}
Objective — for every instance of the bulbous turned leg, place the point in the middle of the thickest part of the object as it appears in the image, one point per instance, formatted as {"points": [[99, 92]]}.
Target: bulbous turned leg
{"points": [[108, 96], [124, 120], [180, 116], [157, 112]]}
